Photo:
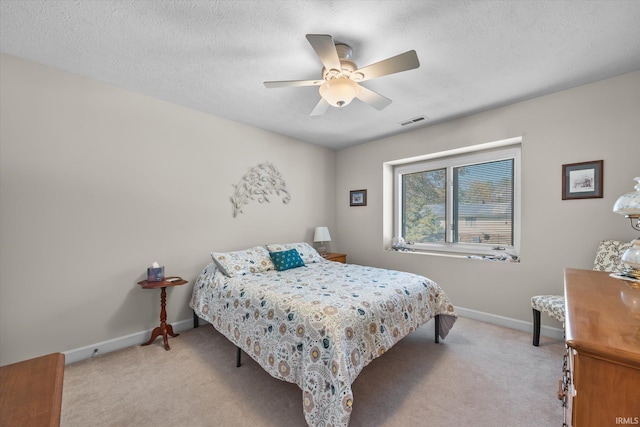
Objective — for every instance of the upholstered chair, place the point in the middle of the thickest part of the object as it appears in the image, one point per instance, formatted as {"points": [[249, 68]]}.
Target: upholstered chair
{"points": [[608, 258]]}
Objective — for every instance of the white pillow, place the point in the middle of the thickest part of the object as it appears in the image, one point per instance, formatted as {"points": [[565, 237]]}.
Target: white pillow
{"points": [[239, 263], [306, 251]]}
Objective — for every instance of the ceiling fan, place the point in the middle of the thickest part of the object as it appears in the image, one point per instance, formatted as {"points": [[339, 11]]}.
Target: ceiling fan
{"points": [[341, 77]]}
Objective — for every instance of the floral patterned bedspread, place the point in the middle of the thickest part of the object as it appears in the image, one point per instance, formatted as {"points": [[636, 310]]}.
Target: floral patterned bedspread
{"points": [[318, 326]]}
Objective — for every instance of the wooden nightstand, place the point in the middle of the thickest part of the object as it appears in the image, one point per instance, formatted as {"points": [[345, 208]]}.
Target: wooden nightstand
{"points": [[165, 328], [336, 257]]}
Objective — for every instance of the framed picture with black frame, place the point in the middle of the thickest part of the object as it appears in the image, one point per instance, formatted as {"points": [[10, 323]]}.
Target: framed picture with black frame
{"points": [[358, 198], [582, 180]]}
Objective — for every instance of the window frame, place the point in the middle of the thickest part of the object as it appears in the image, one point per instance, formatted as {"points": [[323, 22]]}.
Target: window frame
{"points": [[499, 150]]}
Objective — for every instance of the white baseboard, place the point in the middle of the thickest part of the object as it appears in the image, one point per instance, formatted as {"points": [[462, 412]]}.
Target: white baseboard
{"points": [[137, 338], [507, 322], [108, 346]]}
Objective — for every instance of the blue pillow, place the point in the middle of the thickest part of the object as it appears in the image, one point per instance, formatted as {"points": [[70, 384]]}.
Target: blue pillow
{"points": [[284, 260]]}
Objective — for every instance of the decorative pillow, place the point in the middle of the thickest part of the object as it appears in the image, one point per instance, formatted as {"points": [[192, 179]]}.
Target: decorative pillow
{"points": [[239, 263], [305, 250], [284, 260]]}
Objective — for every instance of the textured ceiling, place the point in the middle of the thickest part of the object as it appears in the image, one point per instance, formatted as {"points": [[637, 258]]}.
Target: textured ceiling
{"points": [[213, 56]]}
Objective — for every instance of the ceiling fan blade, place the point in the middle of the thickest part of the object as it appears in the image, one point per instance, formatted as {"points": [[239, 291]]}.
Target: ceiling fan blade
{"points": [[293, 83], [320, 108], [372, 98], [403, 62], [326, 50]]}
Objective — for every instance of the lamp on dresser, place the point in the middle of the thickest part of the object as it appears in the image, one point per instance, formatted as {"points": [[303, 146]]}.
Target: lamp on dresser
{"points": [[322, 235], [629, 205]]}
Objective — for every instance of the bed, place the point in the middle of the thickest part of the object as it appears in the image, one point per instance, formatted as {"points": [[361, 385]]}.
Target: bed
{"points": [[314, 322]]}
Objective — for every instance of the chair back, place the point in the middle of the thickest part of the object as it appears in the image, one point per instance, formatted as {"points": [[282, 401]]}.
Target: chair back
{"points": [[609, 254]]}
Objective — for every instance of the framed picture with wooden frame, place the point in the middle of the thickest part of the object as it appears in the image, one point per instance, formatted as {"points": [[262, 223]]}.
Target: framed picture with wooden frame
{"points": [[582, 180], [358, 198]]}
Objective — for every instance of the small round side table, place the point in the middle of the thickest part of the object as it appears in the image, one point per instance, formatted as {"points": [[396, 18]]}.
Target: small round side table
{"points": [[165, 328]]}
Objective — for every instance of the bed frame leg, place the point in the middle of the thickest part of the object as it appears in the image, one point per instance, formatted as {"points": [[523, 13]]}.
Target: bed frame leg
{"points": [[196, 320], [437, 328], [238, 357]]}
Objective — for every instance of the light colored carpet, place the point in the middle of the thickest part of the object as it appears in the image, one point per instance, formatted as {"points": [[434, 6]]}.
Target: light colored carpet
{"points": [[480, 375]]}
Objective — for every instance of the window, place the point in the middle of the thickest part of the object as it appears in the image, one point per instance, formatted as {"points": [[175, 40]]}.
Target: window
{"points": [[466, 203]]}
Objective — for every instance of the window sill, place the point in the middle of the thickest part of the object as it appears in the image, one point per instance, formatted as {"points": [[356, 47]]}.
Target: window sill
{"points": [[499, 258], [503, 258]]}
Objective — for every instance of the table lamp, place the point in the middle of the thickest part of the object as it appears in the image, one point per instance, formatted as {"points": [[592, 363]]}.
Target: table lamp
{"points": [[629, 205], [322, 235]]}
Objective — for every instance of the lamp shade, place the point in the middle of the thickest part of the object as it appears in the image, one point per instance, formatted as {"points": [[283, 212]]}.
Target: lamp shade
{"points": [[629, 204], [340, 91], [322, 235]]}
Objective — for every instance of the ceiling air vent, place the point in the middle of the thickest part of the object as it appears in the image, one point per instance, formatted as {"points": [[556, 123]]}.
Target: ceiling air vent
{"points": [[414, 120]]}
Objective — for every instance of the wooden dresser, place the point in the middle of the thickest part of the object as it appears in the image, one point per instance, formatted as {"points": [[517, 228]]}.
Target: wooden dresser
{"points": [[31, 392], [602, 375]]}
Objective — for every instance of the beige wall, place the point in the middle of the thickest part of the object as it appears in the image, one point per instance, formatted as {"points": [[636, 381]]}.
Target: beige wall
{"points": [[97, 183], [592, 122]]}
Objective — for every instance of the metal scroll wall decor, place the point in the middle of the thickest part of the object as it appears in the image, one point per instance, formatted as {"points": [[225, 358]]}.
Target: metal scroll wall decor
{"points": [[259, 183]]}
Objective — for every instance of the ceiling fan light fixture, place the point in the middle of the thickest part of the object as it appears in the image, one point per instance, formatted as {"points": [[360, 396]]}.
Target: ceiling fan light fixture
{"points": [[339, 92], [340, 76]]}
